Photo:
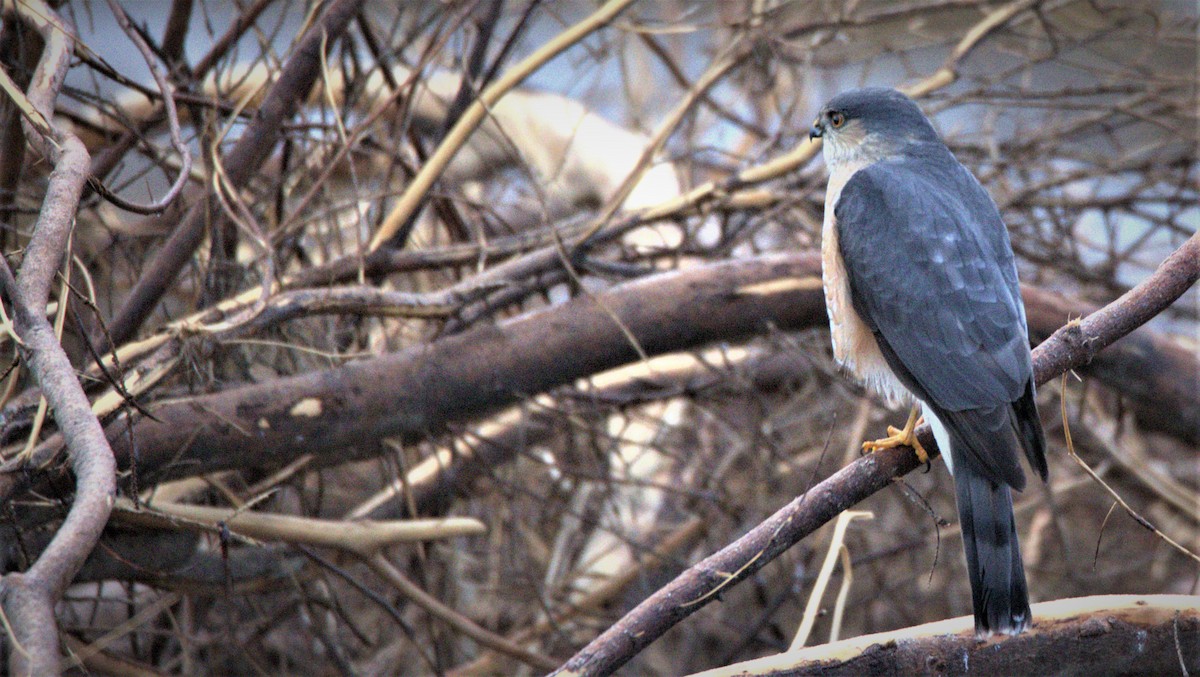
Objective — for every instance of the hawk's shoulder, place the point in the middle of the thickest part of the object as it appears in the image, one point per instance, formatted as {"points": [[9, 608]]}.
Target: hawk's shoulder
{"points": [[931, 272]]}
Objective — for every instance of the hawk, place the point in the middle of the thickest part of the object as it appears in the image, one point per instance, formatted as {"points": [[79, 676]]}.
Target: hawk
{"points": [[924, 307]]}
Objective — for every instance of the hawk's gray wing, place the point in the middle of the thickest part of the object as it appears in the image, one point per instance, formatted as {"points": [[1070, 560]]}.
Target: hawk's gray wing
{"points": [[931, 273]]}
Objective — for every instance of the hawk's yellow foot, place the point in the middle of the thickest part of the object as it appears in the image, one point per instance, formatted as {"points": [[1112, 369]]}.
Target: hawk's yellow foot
{"points": [[901, 438]]}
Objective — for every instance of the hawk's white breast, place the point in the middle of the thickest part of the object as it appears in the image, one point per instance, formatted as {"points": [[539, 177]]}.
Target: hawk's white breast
{"points": [[854, 346]]}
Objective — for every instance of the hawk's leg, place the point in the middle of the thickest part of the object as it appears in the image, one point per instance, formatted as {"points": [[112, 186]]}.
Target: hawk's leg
{"points": [[901, 438]]}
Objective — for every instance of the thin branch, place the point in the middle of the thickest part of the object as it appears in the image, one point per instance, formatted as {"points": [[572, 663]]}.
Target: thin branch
{"points": [[364, 537], [381, 566], [252, 149], [168, 99], [476, 113]]}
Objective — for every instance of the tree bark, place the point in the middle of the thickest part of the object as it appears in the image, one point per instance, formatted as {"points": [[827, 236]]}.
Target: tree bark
{"points": [[1105, 635], [417, 392]]}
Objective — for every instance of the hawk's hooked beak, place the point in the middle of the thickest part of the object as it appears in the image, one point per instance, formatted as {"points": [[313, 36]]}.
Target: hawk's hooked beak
{"points": [[816, 131]]}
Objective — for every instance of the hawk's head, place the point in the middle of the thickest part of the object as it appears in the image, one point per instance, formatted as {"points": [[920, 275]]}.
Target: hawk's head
{"points": [[870, 124]]}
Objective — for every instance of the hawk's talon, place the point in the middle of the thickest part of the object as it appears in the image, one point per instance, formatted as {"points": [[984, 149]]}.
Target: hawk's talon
{"points": [[901, 437]]}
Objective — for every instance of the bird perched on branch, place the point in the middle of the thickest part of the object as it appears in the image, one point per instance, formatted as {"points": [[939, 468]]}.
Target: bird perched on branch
{"points": [[924, 307]]}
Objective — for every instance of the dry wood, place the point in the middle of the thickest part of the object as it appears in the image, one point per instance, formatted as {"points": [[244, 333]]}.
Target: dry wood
{"points": [[1113, 634]]}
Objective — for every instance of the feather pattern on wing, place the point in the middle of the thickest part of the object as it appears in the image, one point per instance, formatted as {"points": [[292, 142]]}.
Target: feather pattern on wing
{"points": [[931, 273]]}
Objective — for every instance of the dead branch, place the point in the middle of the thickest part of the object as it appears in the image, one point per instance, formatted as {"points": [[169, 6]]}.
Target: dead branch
{"points": [[417, 392], [365, 537], [1110, 634], [29, 597]]}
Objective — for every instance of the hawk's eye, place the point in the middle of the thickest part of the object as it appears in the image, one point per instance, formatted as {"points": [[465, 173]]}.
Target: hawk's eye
{"points": [[837, 119]]}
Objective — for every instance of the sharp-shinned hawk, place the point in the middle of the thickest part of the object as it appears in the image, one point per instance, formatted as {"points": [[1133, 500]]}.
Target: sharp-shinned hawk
{"points": [[924, 305]]}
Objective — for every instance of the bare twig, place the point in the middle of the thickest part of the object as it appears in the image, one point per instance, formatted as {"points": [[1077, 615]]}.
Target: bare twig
{"points": [[1108, 488], [168, 98], [381, 566], [251, 150], [414, 195]]}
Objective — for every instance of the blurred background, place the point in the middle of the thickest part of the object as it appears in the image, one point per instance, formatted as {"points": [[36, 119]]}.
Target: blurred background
{"points": [[1079, 117]]}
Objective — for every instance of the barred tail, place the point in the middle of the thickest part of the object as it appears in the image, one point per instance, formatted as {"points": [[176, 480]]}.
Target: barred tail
{"points": [[999, 593]]}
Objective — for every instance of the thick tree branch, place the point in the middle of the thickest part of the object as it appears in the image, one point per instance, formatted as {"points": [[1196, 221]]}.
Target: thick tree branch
{"points": [[419, 391], [1152, 372], [1109, 634]]}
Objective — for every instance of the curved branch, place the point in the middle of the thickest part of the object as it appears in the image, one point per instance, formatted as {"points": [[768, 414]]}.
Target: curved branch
{"points": [[29, 597]]}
